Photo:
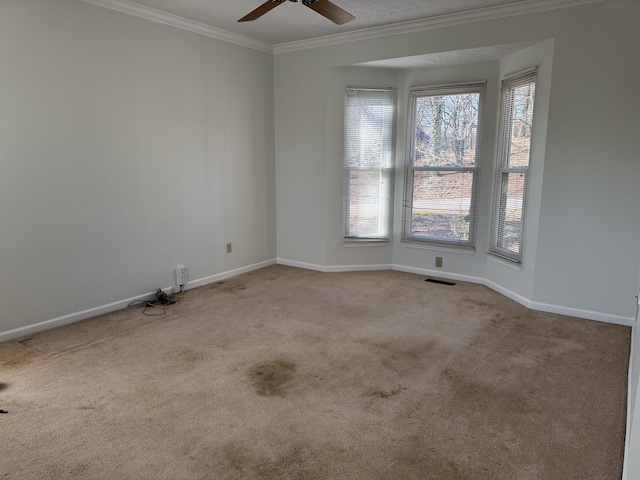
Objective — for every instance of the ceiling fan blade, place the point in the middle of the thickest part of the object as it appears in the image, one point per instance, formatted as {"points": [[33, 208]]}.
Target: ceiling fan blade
{"points": [[261, 10], [331, 11]]}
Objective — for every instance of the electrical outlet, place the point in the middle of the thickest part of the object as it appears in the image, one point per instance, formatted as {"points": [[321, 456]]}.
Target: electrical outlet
{"points": [[229, 248], [439, 262]]}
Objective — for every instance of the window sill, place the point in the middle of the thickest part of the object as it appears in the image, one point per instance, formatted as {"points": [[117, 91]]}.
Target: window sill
{"points": [[505, 262], [439, 248], [352, 242]]}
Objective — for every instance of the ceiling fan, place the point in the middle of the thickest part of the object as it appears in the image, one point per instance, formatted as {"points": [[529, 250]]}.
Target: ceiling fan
{"points": [[323, 7]]}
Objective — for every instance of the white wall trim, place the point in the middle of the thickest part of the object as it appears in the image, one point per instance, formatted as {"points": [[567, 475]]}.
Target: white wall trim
{"points": [[588, 314], [633, 402], [560, 309], [538, 306], [148, 13], [358, 268], [516, 297], [437, 274], [120, 304], [630, 404], [480, 14], [71, 318], [305, 265], [333, 268], [218, 277], [467, 278]]}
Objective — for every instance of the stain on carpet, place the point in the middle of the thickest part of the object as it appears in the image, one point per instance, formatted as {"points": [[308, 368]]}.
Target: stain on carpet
{"points": [[500, 320], [385, 393], [272, 379], [476, 303], [19, 356], [180, 360], [294, 462], [484, 396], [187, 356], [403, 355], [230, 286]]}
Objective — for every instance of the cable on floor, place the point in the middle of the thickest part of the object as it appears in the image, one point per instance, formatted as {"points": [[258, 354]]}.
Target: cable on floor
{"points": [[162, 301]]}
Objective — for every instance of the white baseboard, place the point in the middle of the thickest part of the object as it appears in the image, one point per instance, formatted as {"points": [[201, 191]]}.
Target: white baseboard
{"points": [[218, 277], [587, 314], [120, 304], [71, 318], [630, 405], [334, 268], [467, 278], [111, 307], [437, 273], [297, 264], [508, 293], [539, 306]]}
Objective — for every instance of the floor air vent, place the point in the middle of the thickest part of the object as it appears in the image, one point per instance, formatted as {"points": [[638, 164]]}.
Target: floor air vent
{"points": [[441, 282]]}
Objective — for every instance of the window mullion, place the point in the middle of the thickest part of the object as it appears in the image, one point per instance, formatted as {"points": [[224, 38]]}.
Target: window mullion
{"points": [[443, 169], [522, 170]]}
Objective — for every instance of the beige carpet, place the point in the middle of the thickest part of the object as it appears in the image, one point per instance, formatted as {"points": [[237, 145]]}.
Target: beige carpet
{"points": [[285, 373]]}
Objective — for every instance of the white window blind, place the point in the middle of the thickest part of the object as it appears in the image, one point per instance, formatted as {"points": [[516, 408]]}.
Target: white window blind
{"points": [[513, 156], [368, 163], [443, 147]]}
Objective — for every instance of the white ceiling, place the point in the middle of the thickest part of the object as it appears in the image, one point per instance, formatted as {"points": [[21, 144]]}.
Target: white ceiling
{"points": [[451, 57], [293, 23]]}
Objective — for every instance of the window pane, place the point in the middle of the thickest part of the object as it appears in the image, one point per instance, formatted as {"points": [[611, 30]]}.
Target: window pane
{"points": [[441, 205], [369, 192], [446, 130], [367, 162], [511, 210], [369, 133], [521, 120], [440, 185], [512, 163]]}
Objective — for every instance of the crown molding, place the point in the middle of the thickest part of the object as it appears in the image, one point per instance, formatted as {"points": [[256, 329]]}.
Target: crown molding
{"points": [[148, 13], [481, 14]]}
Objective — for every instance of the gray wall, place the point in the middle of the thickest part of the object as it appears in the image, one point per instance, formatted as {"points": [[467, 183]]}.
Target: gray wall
{"points": [[582, 235], [126, 147]]}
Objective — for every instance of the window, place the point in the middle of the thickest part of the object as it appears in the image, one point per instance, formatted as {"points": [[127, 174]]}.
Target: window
{"points": [[514, 152], [443, 146], [367, 163]]}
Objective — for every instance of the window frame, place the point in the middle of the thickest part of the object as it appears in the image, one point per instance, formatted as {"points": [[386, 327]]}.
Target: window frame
{"points": [[385, 170], [477, 87], [502, 169]]}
